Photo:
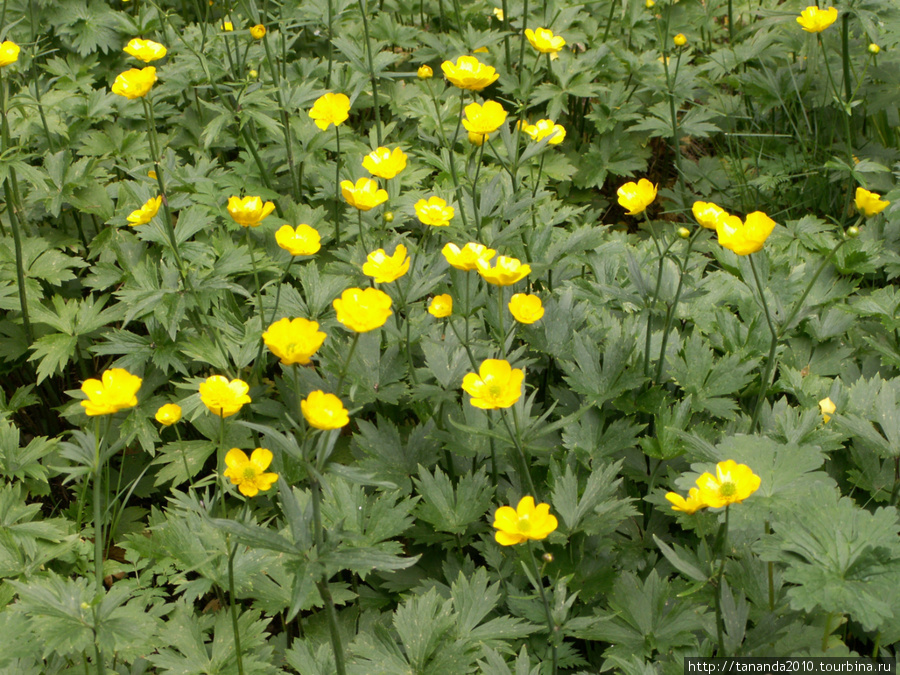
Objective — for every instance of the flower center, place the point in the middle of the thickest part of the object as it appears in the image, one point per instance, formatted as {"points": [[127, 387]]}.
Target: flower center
{"points": [[249, 473], [728, 489], [494, 390], [524, 525]]}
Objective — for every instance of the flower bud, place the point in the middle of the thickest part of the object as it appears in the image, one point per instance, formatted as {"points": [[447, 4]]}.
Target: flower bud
{"points": [[253, 74], [874, 49], [424, 72], [680, 40], [684, 233], [852, 232], [389, 216], [547, 557]]}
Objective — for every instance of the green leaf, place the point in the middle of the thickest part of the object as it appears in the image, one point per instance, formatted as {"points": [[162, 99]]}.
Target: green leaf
{"points": [[452, 509]]}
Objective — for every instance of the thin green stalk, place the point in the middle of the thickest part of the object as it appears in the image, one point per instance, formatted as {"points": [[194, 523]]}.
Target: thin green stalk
{"points": [[827, 632], [365, 20], [676, 146], [465, 344], [505, 8], [523, 461], [98, 538], [234, 617], [296, 189], [475, 191], [770, 573], [284, 277], [730, 23], [670, 313], [262, 311], [337, 182], [346, 365], [551, 626], [652, 306], [770, 360], [845, 109], [330, 43], [500, 316], [845, 54], [609, 19], [785, 325], [522, 36], [14, 208], [720, 625], [362, 238], [451, 148]]}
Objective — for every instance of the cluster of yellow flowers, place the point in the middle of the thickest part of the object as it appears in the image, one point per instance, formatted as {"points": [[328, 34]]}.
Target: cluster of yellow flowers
{"points": [[732, 484]]}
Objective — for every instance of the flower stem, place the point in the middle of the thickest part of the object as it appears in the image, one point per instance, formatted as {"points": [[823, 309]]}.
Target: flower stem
{"points": [[296, 188], [98, 537], [652, 305], [770, 573], [522, 461], [670, 313], [720, 625], [475, 191], [365, 20], [551, 626], [770, 360], [346, 365], [500, 317], [234, 617]]}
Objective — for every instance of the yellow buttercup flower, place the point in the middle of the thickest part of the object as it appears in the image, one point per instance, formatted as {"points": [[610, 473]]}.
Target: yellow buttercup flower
{"points": [[168, 414], [467, 257], [385, 163], [384, 268], [302, 240], [636, 197], [441, 306], [747, 237], [258, 31], [498, 12], [680, 40], [690, 505], [708, 214], [469, 73], [330, 109], [145, 214], [496, 385], [228, 26], [484, 119], [224, 398], [134, 83], [294, 340], [526, 522], [526, 308], [544, 128], [9, 53], [365, 195], [478, 139], [732, 484], [145, 50], [481, 50], [434, 212], [505, 272], [424, 72], [544, 40], [114, 391], [869, 203], [815, 20], [324, 411], [249, 211], [249, 473], [827, 408], [650, 4], [362, 310]]}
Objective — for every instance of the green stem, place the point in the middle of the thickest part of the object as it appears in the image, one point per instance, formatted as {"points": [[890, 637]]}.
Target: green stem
{"points": [[346, 365], [330, 43], [285, 119], [337, 182], [500, 321], [98, 538], [522, 460], [730, 23], [662, 253], [827, 632], [670, 314], [845, 55], [262, 311], [365, 20], [720, 625], [362, 238], [234, 616], [770, 360], [475, 190], [770, 573], [551, 626], [787, 322]]}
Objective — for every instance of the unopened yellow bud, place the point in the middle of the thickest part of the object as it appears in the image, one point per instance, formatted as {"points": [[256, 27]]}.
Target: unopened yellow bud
{"points": [[874, 49], [684, 233], [680, 40], [389, 216]]}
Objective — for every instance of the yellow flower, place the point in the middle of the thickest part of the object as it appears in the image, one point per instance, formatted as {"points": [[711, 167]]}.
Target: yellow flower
{"points": [[690, 505], [544, 40], [543, 128], [636, 197], [481, 50], [248, 473], [815, 20], [384, 268], [324, 411], [385, 163], [151, 174], [747, 237], [294, 341], [869, 203], [467, 257], [249, 211], [362, 310], [650, 4], [135, 83], [680, 40], [145, 50], [484, 119], [708, 214], [114, 391], [330, 109], [304, 240], [505, 272], [434, 212], [874, 48], [478, 139], [145, 214], [525, 522], [224, 398], [9, 53], [365, 195], [258, 31], [228, 26], [441, 306], [469, 73], [168, 414], [827, 407], [526, 308], [498, 12], [424, 72], [497, 385], [732, 484]]}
